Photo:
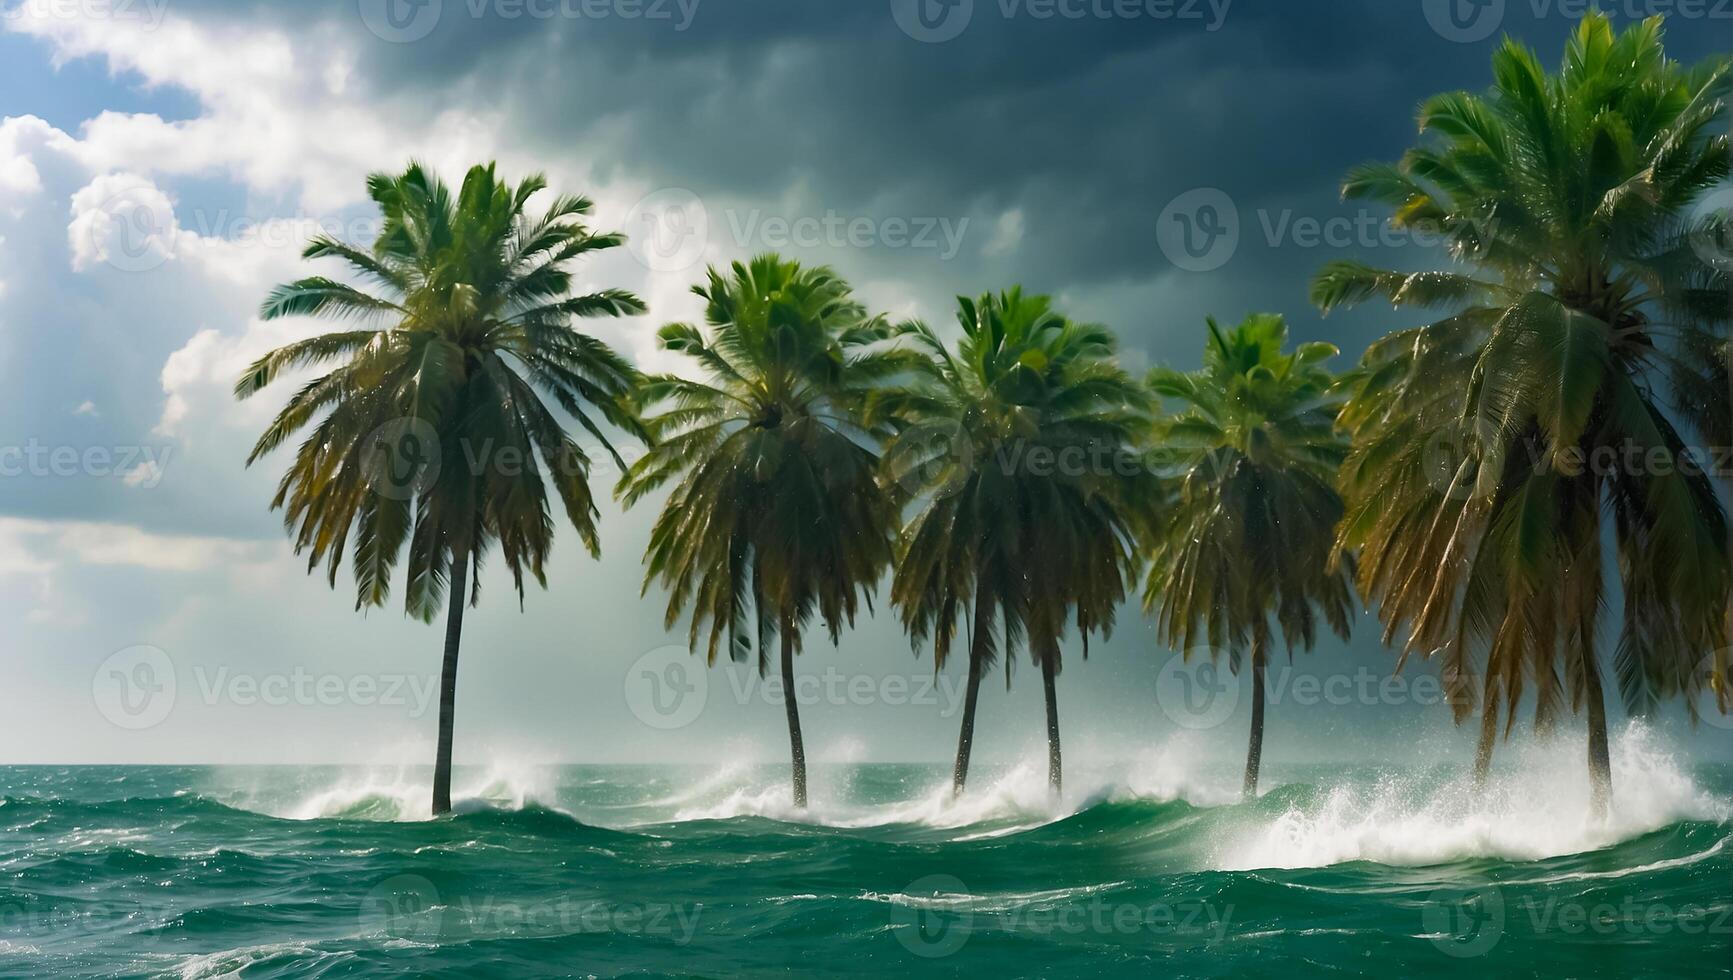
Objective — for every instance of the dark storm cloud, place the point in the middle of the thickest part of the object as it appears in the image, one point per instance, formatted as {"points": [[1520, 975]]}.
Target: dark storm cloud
{"points": [[1089, 125]]}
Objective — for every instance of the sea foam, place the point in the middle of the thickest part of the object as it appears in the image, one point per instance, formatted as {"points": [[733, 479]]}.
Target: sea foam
{"points": [[405, 793], [1535, 806], [998, 800]]}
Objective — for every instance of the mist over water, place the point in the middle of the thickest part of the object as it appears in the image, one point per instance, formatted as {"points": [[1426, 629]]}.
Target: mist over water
{"points": [[1147, 862]]}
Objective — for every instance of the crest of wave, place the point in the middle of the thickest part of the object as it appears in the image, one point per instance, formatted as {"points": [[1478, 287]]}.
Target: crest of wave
{"points": [[999, 799], [1535, 806], [405, 792]]}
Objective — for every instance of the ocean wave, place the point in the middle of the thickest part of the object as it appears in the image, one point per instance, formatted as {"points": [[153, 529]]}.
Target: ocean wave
{"points": [[405, 793], [1536, 806], [232, 962], [1159, 809], [1013, 799]]}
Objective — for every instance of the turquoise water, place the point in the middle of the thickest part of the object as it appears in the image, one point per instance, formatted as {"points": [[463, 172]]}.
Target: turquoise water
{"points": [[1142, 868]]}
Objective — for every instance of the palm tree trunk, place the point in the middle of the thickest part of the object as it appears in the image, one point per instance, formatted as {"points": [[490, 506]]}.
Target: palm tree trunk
{"points": [[977, 669], [1600, 765], [966, 739], [458, 589], [1049, 665], [1255, 751], [797, 748], [1488, 735]]}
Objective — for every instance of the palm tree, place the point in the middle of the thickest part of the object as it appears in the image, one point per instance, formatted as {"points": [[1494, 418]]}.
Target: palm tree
{"points": [[1016, 446], [776, 515], [434, 431], [1579, 334], [1250, 531]]}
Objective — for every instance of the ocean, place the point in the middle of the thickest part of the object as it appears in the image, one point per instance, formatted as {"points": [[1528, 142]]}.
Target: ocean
{"points": [[1143, 867]]}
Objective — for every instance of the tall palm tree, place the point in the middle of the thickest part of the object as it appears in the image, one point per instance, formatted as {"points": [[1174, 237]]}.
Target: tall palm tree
{"points": [[1016, 446], [776, 515], [434, 429], [1249, 536], [1496, 449]]}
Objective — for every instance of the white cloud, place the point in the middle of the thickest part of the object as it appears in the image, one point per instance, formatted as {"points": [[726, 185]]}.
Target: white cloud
{"points": [[21, 136], [18, 176], [277, 116], [193, 364], [123, 220], [276, 112], [112, 544], [36, 554], [87, 408], [146, 474], [198, 379], [42, 545], [39, 546], [1007, 233]]}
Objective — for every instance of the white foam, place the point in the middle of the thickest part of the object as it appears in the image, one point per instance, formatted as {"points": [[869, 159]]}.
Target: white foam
{"points": [[719, 780], [232, 962], [406, 793], [1536, 806], [1012, 799]]}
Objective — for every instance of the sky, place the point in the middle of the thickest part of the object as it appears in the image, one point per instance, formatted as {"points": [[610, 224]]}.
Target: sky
{"points": [[1146, 162]]}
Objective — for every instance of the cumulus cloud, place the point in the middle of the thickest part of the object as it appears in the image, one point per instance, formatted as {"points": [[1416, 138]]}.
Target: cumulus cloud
{"points": [[122, 220], [36, 555], [45, 544]]}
